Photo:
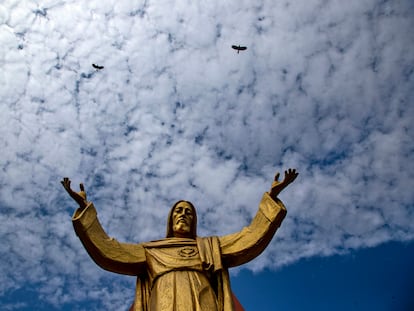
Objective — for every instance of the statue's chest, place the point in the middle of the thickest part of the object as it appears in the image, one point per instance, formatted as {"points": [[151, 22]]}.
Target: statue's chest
{"points": [[163, 259]]}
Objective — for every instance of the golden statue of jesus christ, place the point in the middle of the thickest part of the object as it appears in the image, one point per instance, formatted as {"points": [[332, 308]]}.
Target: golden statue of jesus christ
{"points": [[182, 272]]}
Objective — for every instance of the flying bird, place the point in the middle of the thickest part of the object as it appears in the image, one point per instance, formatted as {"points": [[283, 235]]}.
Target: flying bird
{"points": [[97, 67], [239, 48]]}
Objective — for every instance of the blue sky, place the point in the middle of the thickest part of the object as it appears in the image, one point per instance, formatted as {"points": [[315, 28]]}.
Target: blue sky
{"points": [[325, 87], [380, 278]]}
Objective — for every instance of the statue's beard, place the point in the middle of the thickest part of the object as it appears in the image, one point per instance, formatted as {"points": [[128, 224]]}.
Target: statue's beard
{"points": [[182, 227]]}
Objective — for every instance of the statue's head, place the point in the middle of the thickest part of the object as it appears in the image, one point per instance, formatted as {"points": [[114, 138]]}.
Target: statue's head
{"points": [[182, 220]]}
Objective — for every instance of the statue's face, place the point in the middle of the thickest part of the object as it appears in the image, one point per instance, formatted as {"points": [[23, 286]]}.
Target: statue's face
{"points": [[182, 217]]}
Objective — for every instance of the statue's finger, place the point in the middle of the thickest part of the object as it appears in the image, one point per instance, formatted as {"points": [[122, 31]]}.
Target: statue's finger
{"points": [[66, 183], [277, 176], [293, 175], [81, 187]]}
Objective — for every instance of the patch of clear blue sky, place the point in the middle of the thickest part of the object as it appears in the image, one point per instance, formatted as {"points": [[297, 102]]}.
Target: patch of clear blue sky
{"points": [[380, 278]]}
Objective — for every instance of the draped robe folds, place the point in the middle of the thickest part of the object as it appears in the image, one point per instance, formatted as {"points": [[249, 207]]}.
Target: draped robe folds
{"points": [[179, 274]]}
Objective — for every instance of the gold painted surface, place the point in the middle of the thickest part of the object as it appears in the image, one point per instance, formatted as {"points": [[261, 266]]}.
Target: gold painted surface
{"points": [[182, 272], [177, 278]]}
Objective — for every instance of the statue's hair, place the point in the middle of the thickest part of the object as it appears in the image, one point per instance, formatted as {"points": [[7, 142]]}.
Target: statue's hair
{"points": [[193, 231]]}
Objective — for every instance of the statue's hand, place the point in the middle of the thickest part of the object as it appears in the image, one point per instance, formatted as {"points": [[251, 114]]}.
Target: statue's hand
{"points": [[79, 197], [278, 186]]}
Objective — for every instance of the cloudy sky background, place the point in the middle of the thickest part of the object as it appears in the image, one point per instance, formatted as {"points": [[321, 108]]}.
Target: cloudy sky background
{"points": [[325, 87]]}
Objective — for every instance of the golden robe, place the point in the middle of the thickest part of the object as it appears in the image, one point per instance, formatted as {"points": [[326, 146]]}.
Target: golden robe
{"points": [[179, 274]]}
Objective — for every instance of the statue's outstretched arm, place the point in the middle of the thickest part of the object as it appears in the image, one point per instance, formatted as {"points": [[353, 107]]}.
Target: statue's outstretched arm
{"points": [[243, 246], [107, 252]]}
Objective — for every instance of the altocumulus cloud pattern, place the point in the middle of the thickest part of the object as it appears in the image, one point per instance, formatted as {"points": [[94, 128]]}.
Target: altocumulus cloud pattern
{"points": [[325, 87]]}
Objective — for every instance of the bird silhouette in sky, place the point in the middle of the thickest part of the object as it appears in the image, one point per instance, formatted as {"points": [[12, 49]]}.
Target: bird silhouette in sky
{"points": [[97, 67], [239, 48]]}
